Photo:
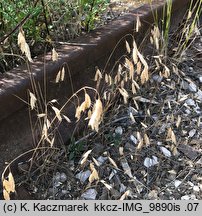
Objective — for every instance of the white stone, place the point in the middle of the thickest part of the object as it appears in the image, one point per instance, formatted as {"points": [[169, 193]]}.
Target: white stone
{"points": [[196, 188], [133, 139], [192, 87], [165, 151], [192, 132], [190, 102], [89, 194], [177, 183], [148, 162], [119, 130]]}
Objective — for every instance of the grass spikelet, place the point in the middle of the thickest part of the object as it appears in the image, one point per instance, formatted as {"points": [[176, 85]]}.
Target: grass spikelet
{"points": [[96, 117], [98, 75], [32, 100], [57, 113], [138, 24], [128, 47], [9, 186], [131, 68], [23, 45], [83, 107], [135, 53], [125, 95], [54, 55]]}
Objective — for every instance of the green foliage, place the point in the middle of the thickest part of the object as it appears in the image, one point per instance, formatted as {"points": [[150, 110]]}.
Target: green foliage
{"points": [[47, 21], [115, 138], [13, 12], [75, 149], [184, 34], [91, 11]]}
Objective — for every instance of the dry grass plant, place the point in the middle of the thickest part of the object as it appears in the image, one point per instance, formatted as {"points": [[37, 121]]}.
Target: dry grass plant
{"points": [[127, 94]]}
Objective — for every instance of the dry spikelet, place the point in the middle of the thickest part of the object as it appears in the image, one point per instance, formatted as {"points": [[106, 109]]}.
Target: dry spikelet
{"points": [[157, 43], [136, 104], [120, 69], [86, 104], [136, 85], [106, 78], [144, 76], [96, 117], [45, 131], [128, 47], [125, 195], [9, 186], [6, 195], [171, 136], [54, 55], [94, 175], [66, 118], [119, 76], [98, 75], [105, 95], [109, 187], [57, 113], [132, 117], [125, 95], [89, 114], [140, 144], [151, 40], [131, 68], [133, 89], [144, 125], [178, 121], [78, 113], [41, 115], [57, 79], [85, 156], [23, 45], [122, 83], [126, 77], [32, 100], [96, 162], [135, 53], [145, 73], [139, 67], [113, 162], [166, 71], [138, 24], [60, 75], [146, 139], [110, 80], [115, 79]]}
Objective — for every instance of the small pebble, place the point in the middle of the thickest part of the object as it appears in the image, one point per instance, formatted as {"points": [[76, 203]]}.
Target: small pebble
{"points": [[89, 194], [196, 188], [133, 139], [190, 102], [177, 183], [63, 177], [192, 87], [119, 130], [192, 132]]}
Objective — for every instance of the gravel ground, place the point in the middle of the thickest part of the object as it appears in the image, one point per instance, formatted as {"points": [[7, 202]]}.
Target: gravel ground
{"points": [[149, 148]]}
